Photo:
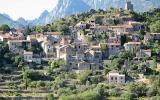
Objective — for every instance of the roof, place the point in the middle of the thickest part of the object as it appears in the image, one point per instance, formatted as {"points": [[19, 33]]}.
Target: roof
{"points": [[114, 72], [19, 41], [103, 26], [155, 33], [114, 44], [32, 36], [9, 36], [133, 22], [96, 46], [147, 50], [133, 43], [28, 53], [122, 26], [107, 61], [51, 33], [5, 35], [81, 23], [92, 19]]}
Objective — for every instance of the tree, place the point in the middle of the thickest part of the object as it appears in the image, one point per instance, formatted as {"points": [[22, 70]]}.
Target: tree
{"points": [[54, 65], [134, 67], [87, 95], [27, 31], [17, 60], [155, 27], [123, 39], [5, 28], [158, 83], [128, 96], [138, 90], [50, 97], [39, 28], [83, 77], [154, 65], [63, 28], [90, 95], [26, 79], [152, 91], [21, 64]]}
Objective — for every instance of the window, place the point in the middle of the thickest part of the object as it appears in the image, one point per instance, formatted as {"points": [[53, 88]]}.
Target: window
{"points": [[111, 78]]}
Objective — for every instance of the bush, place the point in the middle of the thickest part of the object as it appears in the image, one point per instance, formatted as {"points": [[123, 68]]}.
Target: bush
{"points": [[83, 77], [128, 96], [50, 97], [88, 95]]}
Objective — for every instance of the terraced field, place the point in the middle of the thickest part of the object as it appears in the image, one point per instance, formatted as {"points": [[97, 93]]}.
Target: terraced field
{"points": [[12, 88]]}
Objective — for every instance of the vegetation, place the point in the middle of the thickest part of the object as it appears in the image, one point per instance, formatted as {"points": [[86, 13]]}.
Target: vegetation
{"points": [[56, 78]]}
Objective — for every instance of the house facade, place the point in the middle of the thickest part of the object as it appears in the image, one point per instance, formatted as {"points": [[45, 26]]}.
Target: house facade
{"points": [[116, 78], [132, 46]]}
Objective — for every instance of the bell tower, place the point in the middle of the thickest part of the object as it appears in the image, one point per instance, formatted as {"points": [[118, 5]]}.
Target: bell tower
{"points": [[129, 5]]}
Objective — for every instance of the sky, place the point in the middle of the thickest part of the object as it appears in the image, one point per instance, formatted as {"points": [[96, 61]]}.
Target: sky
{"points": [[28, 9]]}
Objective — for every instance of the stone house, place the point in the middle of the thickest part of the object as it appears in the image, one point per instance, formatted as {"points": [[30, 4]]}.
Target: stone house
{"points": [[81, 25], [88, 66], [116, 78], [11, 36], [113, 49], [132, 46], [14, 44], [29, 57], [65, 52], [48, 49], [93, 56], [143, 53]]}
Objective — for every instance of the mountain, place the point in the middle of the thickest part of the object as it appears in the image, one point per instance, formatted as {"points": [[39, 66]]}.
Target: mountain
{"points": [[139, 5], [5, 19], [22, 21], [41, 19], [68, 7]]}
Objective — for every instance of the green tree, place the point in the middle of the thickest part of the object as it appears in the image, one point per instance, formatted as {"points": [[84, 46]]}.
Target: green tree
{"points": [[83, 77], [50, 97], [154, 64], [155, 27], [158, 83], [123, 39], [138, 90], [27, 31], [39, 28], [5, 28], [128, 96], [26, 79], [54, 65], [17, 60], [152, 91], [90, 95]]}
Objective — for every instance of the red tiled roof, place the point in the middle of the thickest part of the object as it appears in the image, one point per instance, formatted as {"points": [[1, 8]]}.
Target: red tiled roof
{"points": [[52, 33]]}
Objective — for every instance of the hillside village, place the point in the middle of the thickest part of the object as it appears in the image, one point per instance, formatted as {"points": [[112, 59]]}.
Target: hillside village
{"points": [[105, 52]]}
